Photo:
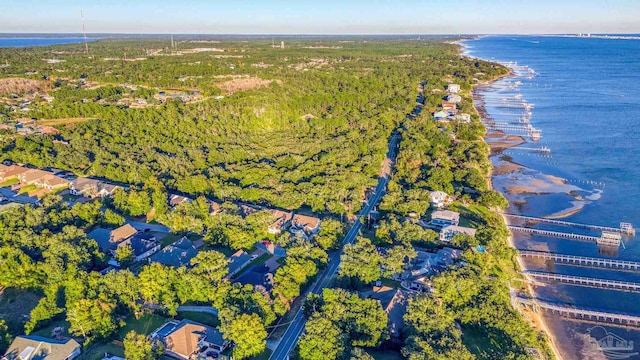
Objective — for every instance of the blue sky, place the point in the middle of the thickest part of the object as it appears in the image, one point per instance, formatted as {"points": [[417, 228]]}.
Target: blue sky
{"points": [[322, 16]]}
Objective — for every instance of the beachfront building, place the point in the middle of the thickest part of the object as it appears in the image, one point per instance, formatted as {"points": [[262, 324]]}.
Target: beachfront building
{"points": [[453, 98], [443, 218], [440, 199], [441, 115], [448, 232], [453, 88]]}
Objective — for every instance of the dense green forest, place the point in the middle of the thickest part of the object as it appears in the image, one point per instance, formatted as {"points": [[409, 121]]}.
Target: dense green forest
{"points": [[305, 127], [314, 137]]}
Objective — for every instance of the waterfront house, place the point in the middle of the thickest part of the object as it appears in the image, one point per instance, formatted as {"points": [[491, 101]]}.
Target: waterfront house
{"points": [[305, 226], [453, 98], [449, 106], [463, 117], [33, 347], [177, 254], [453, 88], [282, 222], [440, 199], [189, 340], [442, 218], [448, 232], [239, 260], [440, 115]]}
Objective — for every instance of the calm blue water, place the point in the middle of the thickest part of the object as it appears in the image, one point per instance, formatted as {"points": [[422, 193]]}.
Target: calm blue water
{"points": [[23, 42], [587, 105]]}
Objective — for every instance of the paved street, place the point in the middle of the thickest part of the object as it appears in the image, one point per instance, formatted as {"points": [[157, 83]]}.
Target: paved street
{"points": [[296, 327]]}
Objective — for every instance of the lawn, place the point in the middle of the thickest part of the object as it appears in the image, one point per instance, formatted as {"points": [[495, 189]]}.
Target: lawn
{"points": [[9, 182], [97, 352], [46, 331], [257, 262], [145, 325], [27, 189], [170, 239], [391, 283], [224, 250], [203, 318], [15, 306]]}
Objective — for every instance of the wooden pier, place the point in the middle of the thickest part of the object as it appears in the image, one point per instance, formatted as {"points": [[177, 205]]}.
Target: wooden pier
{"points": [[574, 260], [586, 281], [625, 228], [543, 149], [609, 318], [555, 234]]}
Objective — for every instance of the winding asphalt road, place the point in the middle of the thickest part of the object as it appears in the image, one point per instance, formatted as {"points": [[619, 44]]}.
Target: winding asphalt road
{"points": [[296, 327]]}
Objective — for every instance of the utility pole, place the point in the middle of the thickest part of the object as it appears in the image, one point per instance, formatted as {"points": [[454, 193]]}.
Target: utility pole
{"points": [[84, 34]]}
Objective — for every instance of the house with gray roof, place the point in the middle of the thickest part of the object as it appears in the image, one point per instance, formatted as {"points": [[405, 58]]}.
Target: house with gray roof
{"points": [[177, 254], [238, 261], [41, 348], [394, 303]]}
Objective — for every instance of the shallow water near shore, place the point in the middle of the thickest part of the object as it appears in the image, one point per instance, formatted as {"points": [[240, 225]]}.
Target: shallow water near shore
{"points": [[586, 104]]}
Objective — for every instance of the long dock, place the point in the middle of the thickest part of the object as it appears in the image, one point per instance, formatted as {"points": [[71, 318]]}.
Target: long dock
{"points": [[611, 264], [556, 234], [625, 228], [615, 319], [586, 281]]}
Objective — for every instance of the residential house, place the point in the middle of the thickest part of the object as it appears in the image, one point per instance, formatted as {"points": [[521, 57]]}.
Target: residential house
{"points": [[108, 240], [85, 187], [440, 115], [305, 226], [175, 200], [453, 98], [394, 303], [177, 254], [32, 175], [41, 348], [440, 199], [142, 244], [91, 188], [449, 106], [239, 260], [189, 340], [463, 117], [447, 256], [448, 232], [214, 207], [51, 182], [453, 88], [11, 172], [272, 248], [282, 222], [444, 218]]}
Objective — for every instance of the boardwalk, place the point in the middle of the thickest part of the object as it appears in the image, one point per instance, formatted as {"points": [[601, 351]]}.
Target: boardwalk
{"points": [[625, 228], [555, 234], [583, 261], [566, 311], [586, 281]]}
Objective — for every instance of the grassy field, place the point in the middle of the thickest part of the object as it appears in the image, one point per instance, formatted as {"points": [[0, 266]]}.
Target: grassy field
{"points": [[170, 239], [203, 318], [145, 325], [97, 352], [62, 121], [27, 189], [46, 331], [15, 306]]}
